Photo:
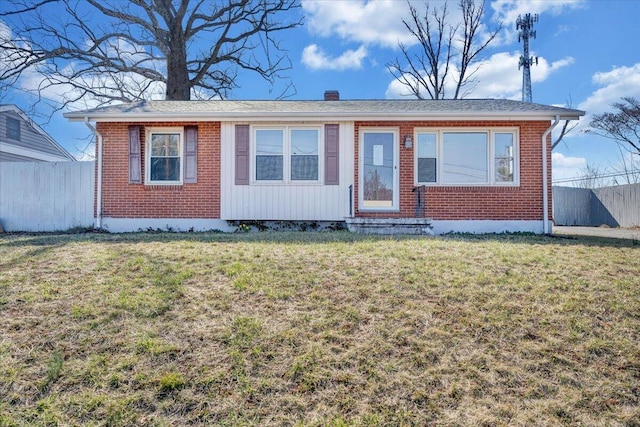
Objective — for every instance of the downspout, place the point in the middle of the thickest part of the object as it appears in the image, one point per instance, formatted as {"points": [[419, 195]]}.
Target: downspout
{"points": [[99, 177], [545, 183]]}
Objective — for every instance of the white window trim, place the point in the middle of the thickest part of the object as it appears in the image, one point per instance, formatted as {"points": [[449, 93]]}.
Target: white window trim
{"points": [[147, 155], [491, 131], [396, 174], [286, 153]]}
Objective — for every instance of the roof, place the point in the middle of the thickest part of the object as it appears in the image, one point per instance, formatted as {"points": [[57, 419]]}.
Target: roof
{"points": [[450, 109], [15, 109]]}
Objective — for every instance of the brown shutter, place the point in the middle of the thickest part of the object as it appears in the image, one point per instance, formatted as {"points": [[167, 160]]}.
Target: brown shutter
{"points": [[331, 159], [242, 154], [191, 155], [135, 163]]}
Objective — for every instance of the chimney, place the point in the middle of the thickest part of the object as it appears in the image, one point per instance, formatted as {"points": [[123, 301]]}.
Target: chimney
{"points": [[331, 95]]}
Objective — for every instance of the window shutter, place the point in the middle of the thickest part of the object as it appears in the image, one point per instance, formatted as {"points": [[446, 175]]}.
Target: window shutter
{"points": [[191, 155], [135, 163], [242, 154], [331, 159]]}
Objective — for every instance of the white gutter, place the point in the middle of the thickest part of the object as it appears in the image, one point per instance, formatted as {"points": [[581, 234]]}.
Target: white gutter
{"points": [[256, 116], [99, 177], [545, 182]]}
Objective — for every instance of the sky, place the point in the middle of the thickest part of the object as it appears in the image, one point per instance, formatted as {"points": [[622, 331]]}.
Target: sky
{"points": [[587, 50]]}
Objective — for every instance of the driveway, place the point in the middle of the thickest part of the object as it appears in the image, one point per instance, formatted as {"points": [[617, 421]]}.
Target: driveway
{"points": [[614, 233]]}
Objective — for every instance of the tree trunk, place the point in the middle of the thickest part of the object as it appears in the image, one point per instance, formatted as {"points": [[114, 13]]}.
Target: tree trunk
{"points": [[178, 84]]}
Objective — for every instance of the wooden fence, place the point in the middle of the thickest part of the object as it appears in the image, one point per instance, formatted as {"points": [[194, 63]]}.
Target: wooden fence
{"points": [[617, 206], [39, 196]]}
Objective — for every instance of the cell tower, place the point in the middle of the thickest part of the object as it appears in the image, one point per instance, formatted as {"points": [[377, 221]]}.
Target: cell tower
{"points": [[525, 26]]}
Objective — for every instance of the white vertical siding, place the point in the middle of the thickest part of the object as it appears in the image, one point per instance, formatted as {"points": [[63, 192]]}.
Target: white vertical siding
{"points": [[294, 202], [39, 196]]}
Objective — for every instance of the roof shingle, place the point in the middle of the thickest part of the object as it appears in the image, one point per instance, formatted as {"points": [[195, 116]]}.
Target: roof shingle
{"points": [[463, 108]]}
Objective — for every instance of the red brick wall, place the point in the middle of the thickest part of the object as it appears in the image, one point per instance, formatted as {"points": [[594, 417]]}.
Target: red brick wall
{"points": [[202, 200], [464, 202], [123, 200]]}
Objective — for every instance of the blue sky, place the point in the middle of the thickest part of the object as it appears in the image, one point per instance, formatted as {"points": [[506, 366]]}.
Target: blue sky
{"points": [[587, 50]]}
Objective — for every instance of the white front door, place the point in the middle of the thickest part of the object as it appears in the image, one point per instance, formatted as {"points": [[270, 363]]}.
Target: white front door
{"points": [[378, 170]]}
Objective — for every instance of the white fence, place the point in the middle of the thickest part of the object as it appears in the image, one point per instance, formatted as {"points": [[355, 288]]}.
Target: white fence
{"points": [[38, 196]]}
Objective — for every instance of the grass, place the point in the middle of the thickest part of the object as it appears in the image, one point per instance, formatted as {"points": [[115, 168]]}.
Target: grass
{"points": [[314, 329]]}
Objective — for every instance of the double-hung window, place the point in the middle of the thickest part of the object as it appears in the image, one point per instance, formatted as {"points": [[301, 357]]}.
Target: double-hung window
{"points": [[304, 154], [467, 157], [164, 156], [287, 154], [269, 154]]}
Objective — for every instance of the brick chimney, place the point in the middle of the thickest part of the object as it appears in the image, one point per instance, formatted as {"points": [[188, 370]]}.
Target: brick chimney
{"points": [[331, 95]]}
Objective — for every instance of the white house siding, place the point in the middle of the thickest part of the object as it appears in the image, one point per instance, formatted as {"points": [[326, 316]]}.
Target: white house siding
{"points": [[32, 144], [293, 202]]}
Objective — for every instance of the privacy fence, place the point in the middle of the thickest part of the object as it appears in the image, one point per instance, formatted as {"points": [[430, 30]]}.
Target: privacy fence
{"points": [[617, 206], [36, 196], [59, 196]]}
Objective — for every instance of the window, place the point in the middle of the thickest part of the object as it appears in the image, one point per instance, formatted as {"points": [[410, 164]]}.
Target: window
{"points": [[287, 154], [269, 154], [13, 129], [466, 157], [427, 165], [503, 155], [304, 155], [164, 156]]}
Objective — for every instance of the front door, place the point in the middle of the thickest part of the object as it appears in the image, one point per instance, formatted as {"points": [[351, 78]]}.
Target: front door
{"points": [[378, 170]]}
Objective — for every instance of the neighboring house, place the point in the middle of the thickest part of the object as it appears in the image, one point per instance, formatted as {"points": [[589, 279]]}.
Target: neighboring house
{"points": [[22, 140], [476, 164]]}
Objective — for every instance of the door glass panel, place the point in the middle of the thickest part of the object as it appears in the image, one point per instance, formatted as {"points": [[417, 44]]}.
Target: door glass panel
{"points": [[378, 170]]}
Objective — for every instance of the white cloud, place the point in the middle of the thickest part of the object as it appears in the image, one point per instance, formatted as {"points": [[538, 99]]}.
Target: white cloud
{"points": [[614, 84], [567, 167], [507, 11], [316, 59], [378, 22], [497, 77], [372, 22]]}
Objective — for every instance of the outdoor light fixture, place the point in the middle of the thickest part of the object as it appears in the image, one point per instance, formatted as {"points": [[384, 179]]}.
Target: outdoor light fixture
{"points": [[408, 143]]}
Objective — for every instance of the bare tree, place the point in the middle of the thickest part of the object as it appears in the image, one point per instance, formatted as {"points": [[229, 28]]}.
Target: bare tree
{"points": [[566, 128], [443, 50], [592, 177], [117, 50], [629, 167], [622, 125]]}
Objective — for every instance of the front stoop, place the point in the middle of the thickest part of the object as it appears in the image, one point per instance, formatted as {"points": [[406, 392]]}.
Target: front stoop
{"points": [[420, 226]]}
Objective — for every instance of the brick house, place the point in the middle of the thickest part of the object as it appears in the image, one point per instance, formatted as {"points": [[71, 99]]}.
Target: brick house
{"points": [[476, 165]]}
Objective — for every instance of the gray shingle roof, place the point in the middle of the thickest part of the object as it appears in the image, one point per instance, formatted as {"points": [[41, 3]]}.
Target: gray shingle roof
{"points": [[346, 109]]}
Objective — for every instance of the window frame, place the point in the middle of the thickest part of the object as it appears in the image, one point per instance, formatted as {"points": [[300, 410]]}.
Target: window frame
{"points": [[490, 160], [10, 131], [286, 154], [149, 132]]}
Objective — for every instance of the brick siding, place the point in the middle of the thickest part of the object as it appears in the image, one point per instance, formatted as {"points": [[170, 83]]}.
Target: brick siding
{"points": [[123, 200], [470, 202]]}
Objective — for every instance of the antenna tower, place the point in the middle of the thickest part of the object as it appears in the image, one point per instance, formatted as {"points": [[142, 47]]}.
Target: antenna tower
{"points": [[525, 27]]}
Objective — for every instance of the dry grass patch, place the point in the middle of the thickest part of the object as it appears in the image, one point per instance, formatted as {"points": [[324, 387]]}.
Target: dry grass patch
{"points": [[318, 329]]}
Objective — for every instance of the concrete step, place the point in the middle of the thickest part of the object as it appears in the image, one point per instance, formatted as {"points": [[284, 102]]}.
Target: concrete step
{"points": [[390, 226]]}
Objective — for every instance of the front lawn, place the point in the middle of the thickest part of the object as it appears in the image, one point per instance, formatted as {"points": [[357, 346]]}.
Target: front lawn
{"points": [[318, 329]]}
